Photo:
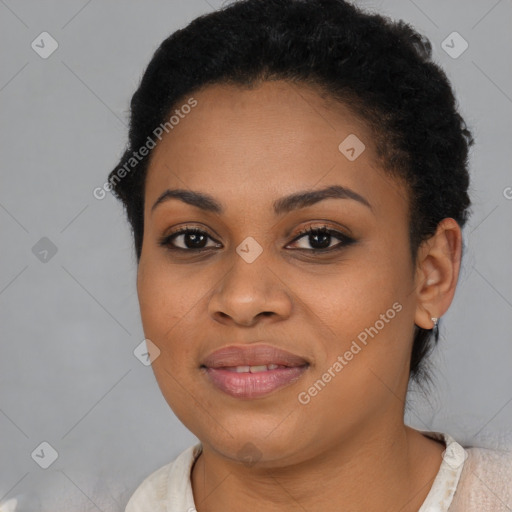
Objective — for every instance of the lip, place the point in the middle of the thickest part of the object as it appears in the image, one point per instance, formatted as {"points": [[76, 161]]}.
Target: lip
{"points": [[220, 364], [252, 355]]}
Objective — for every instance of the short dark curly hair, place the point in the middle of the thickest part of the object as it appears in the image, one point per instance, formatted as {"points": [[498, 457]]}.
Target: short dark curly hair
{"points": [[380, 69]]}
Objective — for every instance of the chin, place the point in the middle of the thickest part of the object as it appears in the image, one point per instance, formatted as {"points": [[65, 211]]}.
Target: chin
{"points": [[251, 439]]}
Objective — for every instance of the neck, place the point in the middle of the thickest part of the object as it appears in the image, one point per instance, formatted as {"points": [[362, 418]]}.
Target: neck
{"points": [[374, 470]]}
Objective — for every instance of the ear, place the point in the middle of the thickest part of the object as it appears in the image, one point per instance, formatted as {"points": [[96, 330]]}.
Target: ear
{"points": [[437, 272]]}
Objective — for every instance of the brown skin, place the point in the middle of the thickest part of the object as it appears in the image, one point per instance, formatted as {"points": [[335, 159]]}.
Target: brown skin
{"points": [[349, 445]]}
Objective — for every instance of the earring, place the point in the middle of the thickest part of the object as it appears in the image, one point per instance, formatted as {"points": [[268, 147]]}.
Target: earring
{"points": [[435, 320]]}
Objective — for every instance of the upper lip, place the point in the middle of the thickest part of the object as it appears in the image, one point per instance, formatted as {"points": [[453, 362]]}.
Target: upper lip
{"points": [[252, 355]]}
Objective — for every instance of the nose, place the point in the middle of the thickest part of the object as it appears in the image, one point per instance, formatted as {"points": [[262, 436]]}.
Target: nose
{"points": [[248, 293]]}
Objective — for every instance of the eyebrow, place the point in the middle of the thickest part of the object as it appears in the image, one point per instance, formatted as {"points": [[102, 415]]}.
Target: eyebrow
{"points": [[283, 205]]}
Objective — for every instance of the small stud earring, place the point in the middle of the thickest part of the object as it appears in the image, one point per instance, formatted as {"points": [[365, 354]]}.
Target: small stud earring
{"points": [[435, 320]]}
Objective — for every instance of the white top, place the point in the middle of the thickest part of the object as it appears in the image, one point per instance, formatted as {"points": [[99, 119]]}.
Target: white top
{"points": [[469, 480]]}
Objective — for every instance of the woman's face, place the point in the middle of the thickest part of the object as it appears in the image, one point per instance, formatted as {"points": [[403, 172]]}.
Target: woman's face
{"points": [[345, 311]]}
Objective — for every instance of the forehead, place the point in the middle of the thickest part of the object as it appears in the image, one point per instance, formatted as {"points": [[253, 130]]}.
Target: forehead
{"points": [[275, 136]]}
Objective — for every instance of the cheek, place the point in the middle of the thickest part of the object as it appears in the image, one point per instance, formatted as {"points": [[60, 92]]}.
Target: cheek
{"points": [[353, 297], [167, 313], [164, 294], [163, 304], [365, 310], [172, 307]]}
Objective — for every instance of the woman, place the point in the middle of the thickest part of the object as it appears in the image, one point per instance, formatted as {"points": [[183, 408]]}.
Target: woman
{"points": [[296, 182]]}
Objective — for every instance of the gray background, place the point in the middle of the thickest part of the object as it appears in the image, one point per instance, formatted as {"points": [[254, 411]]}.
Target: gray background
{"points": [[70, 324]]}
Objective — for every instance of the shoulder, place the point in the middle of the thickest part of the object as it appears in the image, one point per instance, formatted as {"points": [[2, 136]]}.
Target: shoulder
{"points": [[169, 482], [151, 491], [486, 481]]}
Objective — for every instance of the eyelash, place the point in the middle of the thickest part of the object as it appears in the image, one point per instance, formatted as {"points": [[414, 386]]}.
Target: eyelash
{"points": [[166, 241]]}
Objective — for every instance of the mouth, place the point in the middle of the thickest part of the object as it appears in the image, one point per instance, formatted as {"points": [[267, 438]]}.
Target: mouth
{"points": [[253, 371]]}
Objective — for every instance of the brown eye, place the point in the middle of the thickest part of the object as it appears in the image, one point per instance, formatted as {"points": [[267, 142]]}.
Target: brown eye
{"points": [[320, 239], [189, 239]]}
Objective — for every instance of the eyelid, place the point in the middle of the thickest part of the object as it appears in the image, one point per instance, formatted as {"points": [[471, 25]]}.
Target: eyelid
{"points": [[166, 239], [344, 239]]}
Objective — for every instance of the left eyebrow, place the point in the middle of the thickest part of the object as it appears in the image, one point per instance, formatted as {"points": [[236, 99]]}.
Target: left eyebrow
{"points": [[283, 205], [309, 197]]}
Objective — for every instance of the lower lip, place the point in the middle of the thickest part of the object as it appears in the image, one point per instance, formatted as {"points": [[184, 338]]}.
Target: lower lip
{"points": [[253, 385]]}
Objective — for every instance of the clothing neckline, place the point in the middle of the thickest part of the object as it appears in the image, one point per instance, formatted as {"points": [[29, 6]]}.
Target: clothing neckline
{"points": [[438, 499], [447, 479]]}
